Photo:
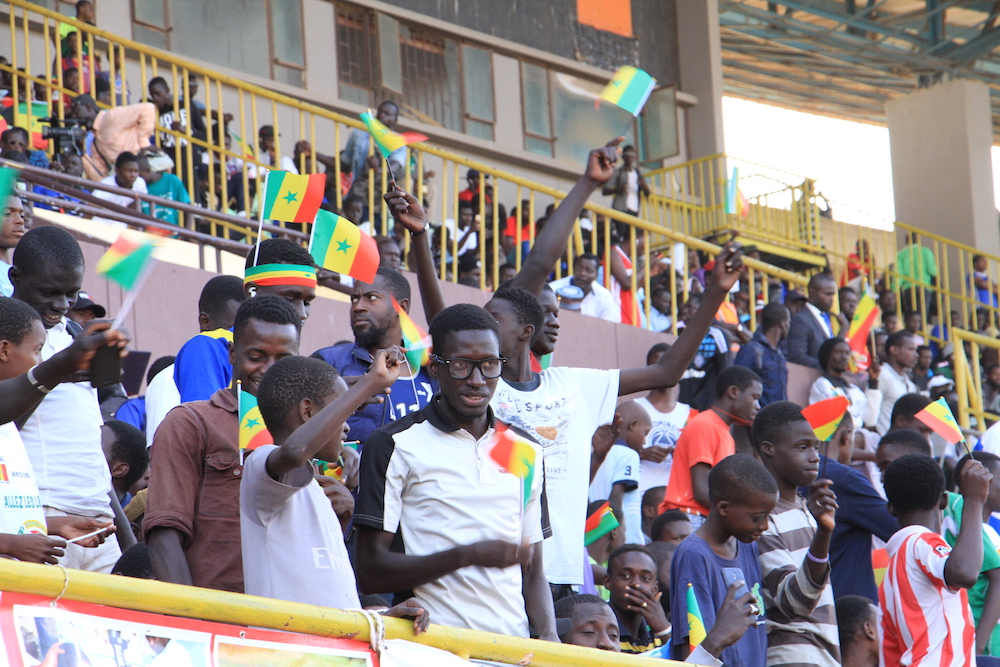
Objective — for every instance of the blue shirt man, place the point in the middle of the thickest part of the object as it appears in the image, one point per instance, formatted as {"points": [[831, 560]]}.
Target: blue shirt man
{"points": [[763, 356]]}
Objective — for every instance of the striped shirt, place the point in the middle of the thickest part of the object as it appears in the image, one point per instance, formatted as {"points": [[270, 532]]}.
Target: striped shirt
{"points": [[801, 617], [923, 621]]}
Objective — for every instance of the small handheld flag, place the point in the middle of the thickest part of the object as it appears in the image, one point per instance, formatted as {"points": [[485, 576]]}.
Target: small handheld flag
{"points": [[825, 416], [599, 524], [696, 622], [126, 260], [735, 201], [416, 343], [516, 456], [629, 88], [861, 324], [8, 177], [938, 417], [388, 142], [253, 433], [292, 198], [339, 245]]}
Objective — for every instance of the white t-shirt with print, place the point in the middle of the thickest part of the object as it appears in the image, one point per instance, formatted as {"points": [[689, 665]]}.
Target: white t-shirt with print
{"points": [[666, 429], [621, 466], [562, 413], [293, 544], [22, 505]]}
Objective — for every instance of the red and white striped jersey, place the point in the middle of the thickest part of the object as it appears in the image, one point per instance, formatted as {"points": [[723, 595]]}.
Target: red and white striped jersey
{"points": [[923, 621]]}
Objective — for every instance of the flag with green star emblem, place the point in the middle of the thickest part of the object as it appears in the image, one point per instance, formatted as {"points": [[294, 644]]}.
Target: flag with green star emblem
{"points": [[253, 433], [293, 198], [339, 245]]}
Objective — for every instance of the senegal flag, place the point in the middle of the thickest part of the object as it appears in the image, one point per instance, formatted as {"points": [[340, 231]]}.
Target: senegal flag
{"points": [[293, 198], [629, 88], [339, 245], [416, 343], [253, 433], [126, 260], [388, 142], [696, 624]]}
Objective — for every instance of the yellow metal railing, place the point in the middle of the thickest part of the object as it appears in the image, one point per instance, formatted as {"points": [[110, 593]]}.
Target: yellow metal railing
{"points": [[969, 377], [209, 605], [222, 168]]}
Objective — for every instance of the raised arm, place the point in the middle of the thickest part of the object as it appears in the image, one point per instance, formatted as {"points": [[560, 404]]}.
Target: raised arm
{"points": [[551, 241], [966, 559], [312, 436], [407, 211], [668, 371]]}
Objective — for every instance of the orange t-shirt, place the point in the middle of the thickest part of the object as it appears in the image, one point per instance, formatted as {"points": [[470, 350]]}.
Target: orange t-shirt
{"points": [[705, 439]]}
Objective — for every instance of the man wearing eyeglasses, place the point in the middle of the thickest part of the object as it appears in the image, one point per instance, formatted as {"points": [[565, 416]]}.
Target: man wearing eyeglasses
{"points": [[437, 516]]}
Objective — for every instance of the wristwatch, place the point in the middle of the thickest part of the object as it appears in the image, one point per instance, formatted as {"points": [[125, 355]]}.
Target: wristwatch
{"points": [[34, 381], [426, 225]]}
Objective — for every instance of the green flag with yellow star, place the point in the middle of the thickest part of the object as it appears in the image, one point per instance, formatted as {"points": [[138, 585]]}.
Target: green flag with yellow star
{"points": [[253, 433], [293, 198]]}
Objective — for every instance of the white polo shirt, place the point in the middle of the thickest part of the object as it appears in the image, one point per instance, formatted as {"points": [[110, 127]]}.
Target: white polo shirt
{"points": [[599, 302], [63, 440], [437, 487]]}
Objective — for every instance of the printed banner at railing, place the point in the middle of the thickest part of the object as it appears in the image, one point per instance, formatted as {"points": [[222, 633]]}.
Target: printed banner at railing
{"points": [[36, 634]]}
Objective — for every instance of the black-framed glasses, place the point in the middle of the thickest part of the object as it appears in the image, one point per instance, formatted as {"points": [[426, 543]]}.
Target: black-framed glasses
{"points": [[460, 369]]}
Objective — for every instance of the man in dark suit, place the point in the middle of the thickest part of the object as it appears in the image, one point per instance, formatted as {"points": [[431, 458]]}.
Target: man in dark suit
{"points": [[812, 325]]}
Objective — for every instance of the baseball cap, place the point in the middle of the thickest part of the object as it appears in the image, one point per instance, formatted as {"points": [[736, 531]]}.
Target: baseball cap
{"points": [[84, 302]]}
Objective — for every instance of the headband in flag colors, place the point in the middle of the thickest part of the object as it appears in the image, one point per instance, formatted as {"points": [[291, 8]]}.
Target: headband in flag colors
{"points": [[629, 88], [293, 197], [825, 416], [339, 245], [599, 524], [267, 275], [938, 417]]}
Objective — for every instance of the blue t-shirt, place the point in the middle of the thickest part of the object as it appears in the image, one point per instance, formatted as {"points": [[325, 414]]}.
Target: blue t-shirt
{"points": [[695, 563], [133, 411], [408, 394], [202, 366], [861, 513]]}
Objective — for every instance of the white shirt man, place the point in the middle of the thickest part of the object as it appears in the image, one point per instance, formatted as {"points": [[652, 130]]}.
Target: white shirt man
{"points": [[599, 302]]}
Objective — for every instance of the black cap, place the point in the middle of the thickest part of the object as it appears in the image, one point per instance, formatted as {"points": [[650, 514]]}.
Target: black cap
{"points": [[84, 302], [86, 100]]}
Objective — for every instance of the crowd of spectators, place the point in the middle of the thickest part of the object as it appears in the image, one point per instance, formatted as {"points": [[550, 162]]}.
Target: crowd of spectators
{"points": [[708, 496], [723, 503]]}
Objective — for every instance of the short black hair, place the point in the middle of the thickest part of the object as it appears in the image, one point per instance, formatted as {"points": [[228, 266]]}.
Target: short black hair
{"points": [[82, 3], [927, 348], [157, 81], [278, 251], [670, 516], [135, 563], [826, 350], [266, 308], [773, 314], [352, 199], [461, 317], [897, 339], [130, 447], [218, 292], [468, 262], [653, 496], [289, 381], [566, 607], [740, 377], [396, 282], [988, 459], [157, 366], [908, 439], [14, 130], [46, 246], [844, 290], [737, 476], [525, 306], [125, 158], [508, 265], [908, 405], [818, 278], [772, 420], [630, 548], [913, 483], [658, 349], [16, 320], [853, 611], [589, 256]]}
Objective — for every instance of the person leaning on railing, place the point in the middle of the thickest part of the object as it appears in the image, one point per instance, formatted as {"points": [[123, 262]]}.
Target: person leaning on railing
{"points": [[110, 132]]}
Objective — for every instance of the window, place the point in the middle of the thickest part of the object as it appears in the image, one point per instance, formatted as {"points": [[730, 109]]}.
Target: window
{"points": [[433, 77], [537, 109], [254, 36], [659, 125]]}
